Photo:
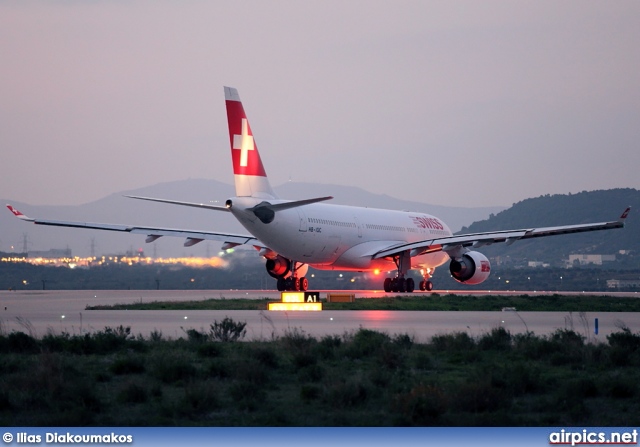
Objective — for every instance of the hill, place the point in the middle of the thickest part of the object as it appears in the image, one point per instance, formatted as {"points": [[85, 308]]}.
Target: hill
{"points": [[563, 209]]}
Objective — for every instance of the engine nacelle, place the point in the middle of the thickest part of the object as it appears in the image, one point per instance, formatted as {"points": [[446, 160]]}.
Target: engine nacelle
{"points": [[281, 267], [278, 267], [472, 268]]}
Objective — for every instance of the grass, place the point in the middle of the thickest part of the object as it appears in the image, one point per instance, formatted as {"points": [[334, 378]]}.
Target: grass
{"points": [[431, 302], [362, 378]]}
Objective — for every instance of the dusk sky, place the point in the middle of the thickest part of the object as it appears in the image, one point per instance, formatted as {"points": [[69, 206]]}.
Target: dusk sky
{"points": [[465, 103]]}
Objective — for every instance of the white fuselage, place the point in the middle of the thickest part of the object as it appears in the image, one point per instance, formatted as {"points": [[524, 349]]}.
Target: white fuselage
{"points": [[340, 237]]}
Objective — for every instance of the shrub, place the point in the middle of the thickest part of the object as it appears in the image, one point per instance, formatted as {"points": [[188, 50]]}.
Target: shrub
{"points": [[155, 335], [458, 341], [479, 396], [174, 368], [625, 340], [195, 336], [422, 405], [625, 348], [533, 347], [266, 356], [300, 346], [297, 340], [209, 350], [200, 397], [246, 395], [366, 342], [21, 343], [622, 388], [127, 365], [567, 339], [309, 392], [583, 387], [389, 356], [249, 370], [403, 341], [218, 369], [133, 393], [228, 330], [345, 393], [499, 339], [311, 373]]}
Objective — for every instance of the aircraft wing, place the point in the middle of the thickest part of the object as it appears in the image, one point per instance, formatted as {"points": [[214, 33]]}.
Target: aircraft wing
{"points": [[178, 202], [452, 244], [153, 233]]}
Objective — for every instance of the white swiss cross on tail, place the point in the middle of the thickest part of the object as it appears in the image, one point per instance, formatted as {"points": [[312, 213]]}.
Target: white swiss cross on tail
{"points": [[244, 142], [244, 151]]}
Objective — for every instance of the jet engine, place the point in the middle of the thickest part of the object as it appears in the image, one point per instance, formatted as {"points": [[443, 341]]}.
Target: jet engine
{"points": [[471, 268], [281, 267], [278, 267]]}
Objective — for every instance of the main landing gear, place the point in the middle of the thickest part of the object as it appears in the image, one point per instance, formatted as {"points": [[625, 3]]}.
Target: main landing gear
{"points": [[290, 275], [402, 284], [293, 284], [399, 284]]}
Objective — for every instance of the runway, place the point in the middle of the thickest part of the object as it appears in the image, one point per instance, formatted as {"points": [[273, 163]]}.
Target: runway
{"points": [[40, 312]]}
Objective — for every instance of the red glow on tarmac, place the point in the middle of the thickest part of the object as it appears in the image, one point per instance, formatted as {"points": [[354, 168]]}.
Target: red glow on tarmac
{"points": [[377, 315]]}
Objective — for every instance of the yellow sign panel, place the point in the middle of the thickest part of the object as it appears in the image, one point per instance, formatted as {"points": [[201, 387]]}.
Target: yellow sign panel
{"points": [[296, 306], [293, 297]]}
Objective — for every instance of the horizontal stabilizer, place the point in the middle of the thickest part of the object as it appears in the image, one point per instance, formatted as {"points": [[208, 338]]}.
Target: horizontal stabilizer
{"points": [[266, 211], [297, 203]]}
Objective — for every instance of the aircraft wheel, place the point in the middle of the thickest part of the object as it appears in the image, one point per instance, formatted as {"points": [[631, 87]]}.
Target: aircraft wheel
{"points": [[411, 285], [281, 285], [402, 285], [428, 286], [303, 284], [387, 285], [423, 285]]}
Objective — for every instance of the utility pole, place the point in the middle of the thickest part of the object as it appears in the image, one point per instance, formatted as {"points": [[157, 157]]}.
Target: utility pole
{"points": [[25, 242]]}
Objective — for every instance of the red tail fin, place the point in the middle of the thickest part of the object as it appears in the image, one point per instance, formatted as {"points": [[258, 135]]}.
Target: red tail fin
{"points": [[250, 176]]}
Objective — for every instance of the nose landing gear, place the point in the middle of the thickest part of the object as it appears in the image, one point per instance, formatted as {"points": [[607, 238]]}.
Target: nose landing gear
{"points": [[426, 285]]}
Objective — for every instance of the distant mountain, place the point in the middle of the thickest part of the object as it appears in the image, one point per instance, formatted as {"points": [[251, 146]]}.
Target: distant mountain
{"points": [[560, 209], [117, 209]]}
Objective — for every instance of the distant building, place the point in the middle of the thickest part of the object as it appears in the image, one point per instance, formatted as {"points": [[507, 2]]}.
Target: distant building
{"points": [[537, 264], [623, 283], [590, 259], [54, 253]]}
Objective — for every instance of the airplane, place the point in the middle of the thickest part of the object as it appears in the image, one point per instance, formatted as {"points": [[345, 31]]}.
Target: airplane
{"points": [[295, 235]]}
